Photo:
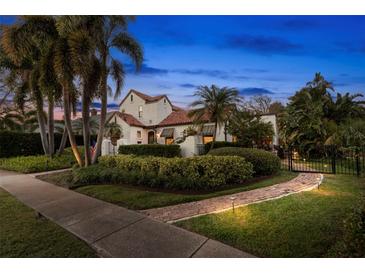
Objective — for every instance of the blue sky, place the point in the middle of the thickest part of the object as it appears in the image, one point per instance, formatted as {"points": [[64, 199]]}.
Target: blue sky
{"points": [[271, 55]]}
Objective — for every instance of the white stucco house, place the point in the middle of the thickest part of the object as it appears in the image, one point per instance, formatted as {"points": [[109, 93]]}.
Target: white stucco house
{"points": [[148, 119]]}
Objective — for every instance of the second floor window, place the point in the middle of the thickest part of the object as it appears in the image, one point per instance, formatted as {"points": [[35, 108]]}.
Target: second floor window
{"points": [[131, 97], [140, 111], [139, 134]]}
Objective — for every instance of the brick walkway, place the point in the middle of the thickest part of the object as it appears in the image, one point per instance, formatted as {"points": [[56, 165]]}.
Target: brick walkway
{"points": [[304, 181]]}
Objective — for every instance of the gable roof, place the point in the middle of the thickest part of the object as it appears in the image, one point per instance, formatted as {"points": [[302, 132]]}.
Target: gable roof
{"points": [[129, 119], [179, 118], [147, 98]]}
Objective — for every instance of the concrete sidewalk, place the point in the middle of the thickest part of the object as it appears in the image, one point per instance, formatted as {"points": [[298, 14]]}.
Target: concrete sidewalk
{"points": [[111, 230]]}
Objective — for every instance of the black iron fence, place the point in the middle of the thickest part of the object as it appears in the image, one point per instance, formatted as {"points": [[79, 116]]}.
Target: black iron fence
{"points": [[326, 159]]}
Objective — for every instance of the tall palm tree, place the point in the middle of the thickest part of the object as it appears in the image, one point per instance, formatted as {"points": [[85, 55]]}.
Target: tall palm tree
{"points": [[27, 42], [113, 36], [214, 103]]}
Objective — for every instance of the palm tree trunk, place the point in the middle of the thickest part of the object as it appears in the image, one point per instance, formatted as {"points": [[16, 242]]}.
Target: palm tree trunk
{"points": [[63, 142], [42, 124], [214, 135], [86, 126], [225, 131], [51, 125], [68, 125], [104, 101]]}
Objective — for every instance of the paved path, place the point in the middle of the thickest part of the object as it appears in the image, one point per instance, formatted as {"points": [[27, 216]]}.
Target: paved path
{"points": [[111, 230], [304, 181]]}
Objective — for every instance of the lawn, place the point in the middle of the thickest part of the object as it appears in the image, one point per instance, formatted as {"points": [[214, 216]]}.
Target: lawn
{"points": [[24, 235], [143, 198], [308, 224]]}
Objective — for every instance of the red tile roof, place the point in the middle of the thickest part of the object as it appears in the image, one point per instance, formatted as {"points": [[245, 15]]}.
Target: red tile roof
{"points": [[178, 118], [147, 98], [129, 119]]}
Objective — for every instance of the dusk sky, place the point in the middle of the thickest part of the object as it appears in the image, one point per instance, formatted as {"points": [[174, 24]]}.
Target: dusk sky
{"points": [[271, 55]]}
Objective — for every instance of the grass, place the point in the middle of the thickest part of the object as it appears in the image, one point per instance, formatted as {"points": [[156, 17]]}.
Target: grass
{"points": [[307, 224], [143, 198], [39, 163], [24, 235]]}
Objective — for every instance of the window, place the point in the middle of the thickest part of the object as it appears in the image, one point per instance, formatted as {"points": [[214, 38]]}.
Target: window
{"points": [[169, 140], [164, 100], [139, 134], [139, 142], [207, 139], [234, 139], [131, 97], [140, 111]]}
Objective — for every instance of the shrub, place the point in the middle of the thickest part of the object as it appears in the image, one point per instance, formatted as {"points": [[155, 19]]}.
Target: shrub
{"points": [[218, 144], [352, 243], [264, 162], [25, 144], [203, 172], [29, 164], [151, 150]]}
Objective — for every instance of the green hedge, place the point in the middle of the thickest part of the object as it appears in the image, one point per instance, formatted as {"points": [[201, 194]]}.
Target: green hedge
{"points": [[195, 173], [151, 150], [39, 163], [264, 162], [218, 144], [25, 144]]}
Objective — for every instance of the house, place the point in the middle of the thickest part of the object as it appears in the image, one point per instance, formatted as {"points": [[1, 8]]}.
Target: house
{"points": [[148, 119]]}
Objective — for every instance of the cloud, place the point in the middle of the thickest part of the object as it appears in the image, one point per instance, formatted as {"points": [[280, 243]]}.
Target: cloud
{"points": [[97, 105], [351, 47], [187, 85], [254, 91], [207, 72], [261, 44], [145, 70], [299, 23]]}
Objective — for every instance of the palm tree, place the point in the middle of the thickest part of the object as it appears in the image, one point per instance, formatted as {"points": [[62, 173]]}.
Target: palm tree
{"points": [[214, 103], [113, 36], [28, 43]]}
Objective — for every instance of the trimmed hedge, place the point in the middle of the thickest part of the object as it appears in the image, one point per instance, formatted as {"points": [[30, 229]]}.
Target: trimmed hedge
{"points": [[151, 150], [39, 163], [24, 144], [264, 162], [218, 144], [195, 173]]}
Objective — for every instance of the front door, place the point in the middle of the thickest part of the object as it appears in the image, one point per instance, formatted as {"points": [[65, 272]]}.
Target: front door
{"points": [[151, 137]]}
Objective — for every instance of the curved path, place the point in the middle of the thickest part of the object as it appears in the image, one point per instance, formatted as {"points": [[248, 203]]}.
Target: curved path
{"points": [[303, 182]]}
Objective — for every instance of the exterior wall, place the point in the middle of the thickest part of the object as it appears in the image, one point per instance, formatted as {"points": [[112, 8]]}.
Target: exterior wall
{"points": [[160, 110], [272, 120], [153, 113], [179, 132]]}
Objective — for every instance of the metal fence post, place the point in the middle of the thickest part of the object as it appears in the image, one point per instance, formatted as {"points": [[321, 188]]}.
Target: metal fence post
{"points": [[289, 159], [357, 151], [333, 160]]}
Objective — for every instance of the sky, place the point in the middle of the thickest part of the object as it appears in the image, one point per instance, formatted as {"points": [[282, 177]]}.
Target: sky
{"points": [[269, 55]]}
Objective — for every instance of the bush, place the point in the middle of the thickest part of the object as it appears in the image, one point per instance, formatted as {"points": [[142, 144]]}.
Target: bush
{"points": [[218, 144], [29, 164], [151, 150], [353, 242], [203, 172], [264, 162], [25, 144]]}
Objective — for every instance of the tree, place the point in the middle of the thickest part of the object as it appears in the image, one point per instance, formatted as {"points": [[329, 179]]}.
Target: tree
{"points": [[259, 104], [314, 118], [114, 36], [27, 43], [214, 103], [249, 129]]}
